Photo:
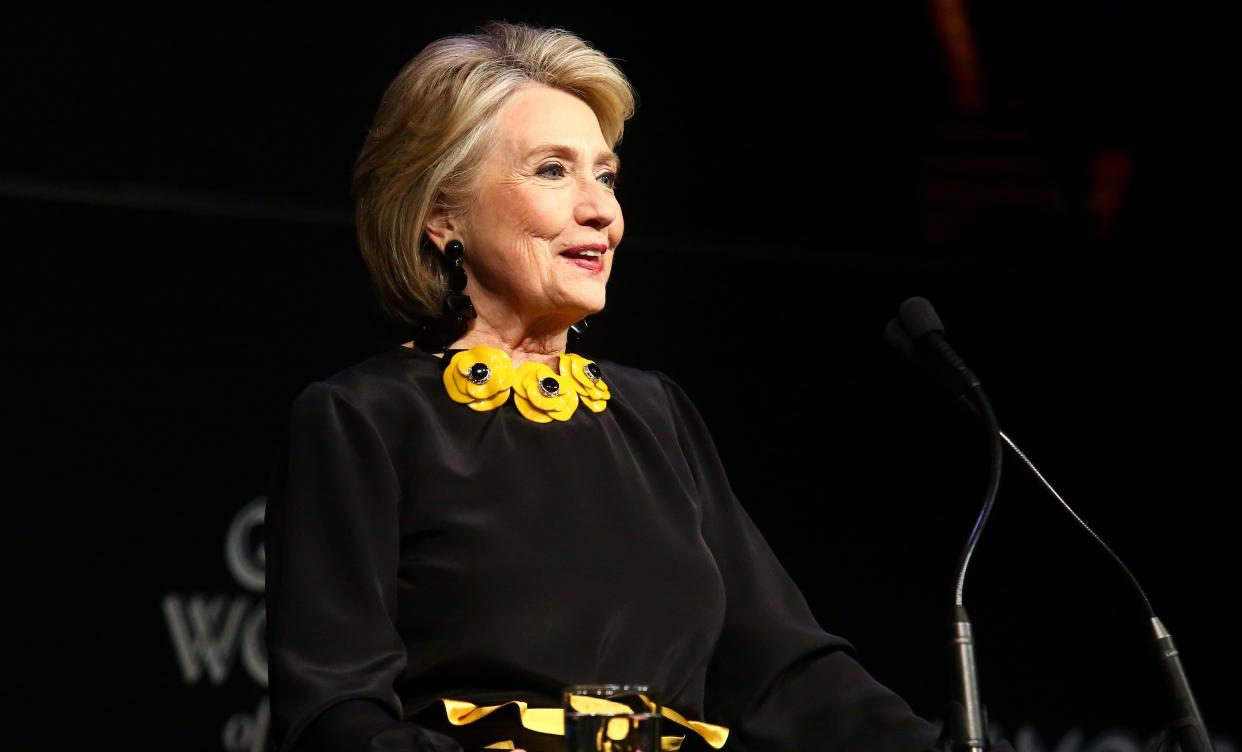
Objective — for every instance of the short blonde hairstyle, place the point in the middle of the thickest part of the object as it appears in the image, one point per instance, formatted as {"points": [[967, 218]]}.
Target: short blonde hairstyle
{"points": [[433, 130]]}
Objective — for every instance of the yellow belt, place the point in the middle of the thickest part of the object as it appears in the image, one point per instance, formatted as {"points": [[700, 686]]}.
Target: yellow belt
{"points": [[552, 720]]}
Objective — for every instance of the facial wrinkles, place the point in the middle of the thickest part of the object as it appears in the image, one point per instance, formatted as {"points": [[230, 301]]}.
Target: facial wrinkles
{"points": [[528, 215], [522, 239], [583, 214]]}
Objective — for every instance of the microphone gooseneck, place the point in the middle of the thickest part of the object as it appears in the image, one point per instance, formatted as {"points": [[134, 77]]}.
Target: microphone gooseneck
{"points": [[995, 458], [1187, 726], [1117, 559]]}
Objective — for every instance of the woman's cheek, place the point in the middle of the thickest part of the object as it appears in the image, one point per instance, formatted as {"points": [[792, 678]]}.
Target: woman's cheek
{"points": [[534, 219]]}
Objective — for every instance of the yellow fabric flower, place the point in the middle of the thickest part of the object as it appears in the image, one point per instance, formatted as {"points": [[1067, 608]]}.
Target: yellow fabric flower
{"points": [[552, 720], [587, 379], [480, 377], [543, 396]]}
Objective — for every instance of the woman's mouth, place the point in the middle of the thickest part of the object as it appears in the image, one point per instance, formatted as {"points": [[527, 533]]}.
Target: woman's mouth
{"points": [[587, 258]]}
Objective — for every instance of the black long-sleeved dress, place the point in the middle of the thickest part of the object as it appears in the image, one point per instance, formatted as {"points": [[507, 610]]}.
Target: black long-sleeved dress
{"points": [[420, 551]]}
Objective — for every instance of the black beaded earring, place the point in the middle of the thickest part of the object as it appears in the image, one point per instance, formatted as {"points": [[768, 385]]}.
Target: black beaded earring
{"points": [[457, 304], [438, 334]]}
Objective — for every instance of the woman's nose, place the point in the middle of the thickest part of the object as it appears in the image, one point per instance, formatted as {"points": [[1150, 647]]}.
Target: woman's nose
{"points": [[597, 205]]}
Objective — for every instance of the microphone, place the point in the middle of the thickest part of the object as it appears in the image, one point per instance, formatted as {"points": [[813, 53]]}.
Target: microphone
{"points": [[918, 332]]}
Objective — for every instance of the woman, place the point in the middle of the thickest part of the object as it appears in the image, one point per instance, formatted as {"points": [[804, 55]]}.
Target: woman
{"points": [[466, 523]]}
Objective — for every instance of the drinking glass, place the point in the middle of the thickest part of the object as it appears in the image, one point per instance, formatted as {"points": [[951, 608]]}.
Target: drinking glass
{"points": [[611, 718]]}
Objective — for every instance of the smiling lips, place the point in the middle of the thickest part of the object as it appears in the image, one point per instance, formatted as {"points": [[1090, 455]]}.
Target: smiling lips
{"points": [[589, 257]]}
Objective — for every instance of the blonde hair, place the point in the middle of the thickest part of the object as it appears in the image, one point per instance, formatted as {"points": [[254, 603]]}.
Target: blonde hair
{"points": [[432, 132]]}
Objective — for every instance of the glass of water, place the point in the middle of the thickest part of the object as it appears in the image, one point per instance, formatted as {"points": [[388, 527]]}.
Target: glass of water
{"points": [[611, 718]]}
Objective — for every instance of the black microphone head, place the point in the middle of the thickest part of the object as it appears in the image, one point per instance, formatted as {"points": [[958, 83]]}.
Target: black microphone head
{"points": [[918, 318], [898, 338]]}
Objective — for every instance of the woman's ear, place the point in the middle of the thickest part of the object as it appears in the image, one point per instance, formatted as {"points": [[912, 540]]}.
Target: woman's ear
{"points": [[441, 227]]}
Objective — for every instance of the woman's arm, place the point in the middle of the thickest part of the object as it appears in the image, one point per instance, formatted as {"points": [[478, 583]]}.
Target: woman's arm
{"points": [[332, 544], [777, 679]]}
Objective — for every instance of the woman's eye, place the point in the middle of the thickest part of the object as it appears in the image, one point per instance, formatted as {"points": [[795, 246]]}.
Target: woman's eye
{"points": [[557, 170], [551, 166]]}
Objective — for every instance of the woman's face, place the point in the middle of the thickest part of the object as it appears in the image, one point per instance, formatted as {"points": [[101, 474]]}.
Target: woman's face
{"points": [[547, 186]]}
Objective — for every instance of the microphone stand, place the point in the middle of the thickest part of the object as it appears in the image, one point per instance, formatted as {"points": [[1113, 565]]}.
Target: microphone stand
{"points": [[918, 333], [966, 729], [1188, 724]]}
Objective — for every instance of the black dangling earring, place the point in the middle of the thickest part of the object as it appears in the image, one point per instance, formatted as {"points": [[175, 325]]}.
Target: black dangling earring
{"points": [[437, 335], [579, 328], [457, 304]]}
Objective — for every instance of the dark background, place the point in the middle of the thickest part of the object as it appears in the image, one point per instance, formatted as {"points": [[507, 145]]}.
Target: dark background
{"points": [[1058, 180]]}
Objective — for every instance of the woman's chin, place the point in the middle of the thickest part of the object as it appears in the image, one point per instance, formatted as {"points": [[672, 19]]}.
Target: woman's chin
{"points": [[588, 302], [579, 313]]}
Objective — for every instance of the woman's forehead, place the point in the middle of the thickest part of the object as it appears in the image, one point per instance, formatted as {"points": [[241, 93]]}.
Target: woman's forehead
{"points": [[538, 120]]}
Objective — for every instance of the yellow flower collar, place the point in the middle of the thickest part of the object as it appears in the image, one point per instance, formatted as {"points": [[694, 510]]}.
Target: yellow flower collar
{"points": [[483, 377]]}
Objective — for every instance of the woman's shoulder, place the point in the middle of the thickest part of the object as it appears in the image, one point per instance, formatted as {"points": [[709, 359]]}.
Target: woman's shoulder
{"points": [[632, 380], [651, 380], [381, 383], [645, 378], [647, 389]]}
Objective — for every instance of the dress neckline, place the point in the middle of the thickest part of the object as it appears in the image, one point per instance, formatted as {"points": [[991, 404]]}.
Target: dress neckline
{"points": [[448, 354]]}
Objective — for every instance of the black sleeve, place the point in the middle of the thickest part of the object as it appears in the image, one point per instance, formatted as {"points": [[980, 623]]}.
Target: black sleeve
{"points": [[332, 543], [777, 679]]}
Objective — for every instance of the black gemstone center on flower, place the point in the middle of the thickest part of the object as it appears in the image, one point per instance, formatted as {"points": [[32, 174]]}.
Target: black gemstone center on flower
{"points": [[593, 372], [549, 386], [479, 373]]}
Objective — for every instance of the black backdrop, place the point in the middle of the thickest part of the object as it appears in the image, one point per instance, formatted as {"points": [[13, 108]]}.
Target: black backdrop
{"points": [[181, 261]]}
